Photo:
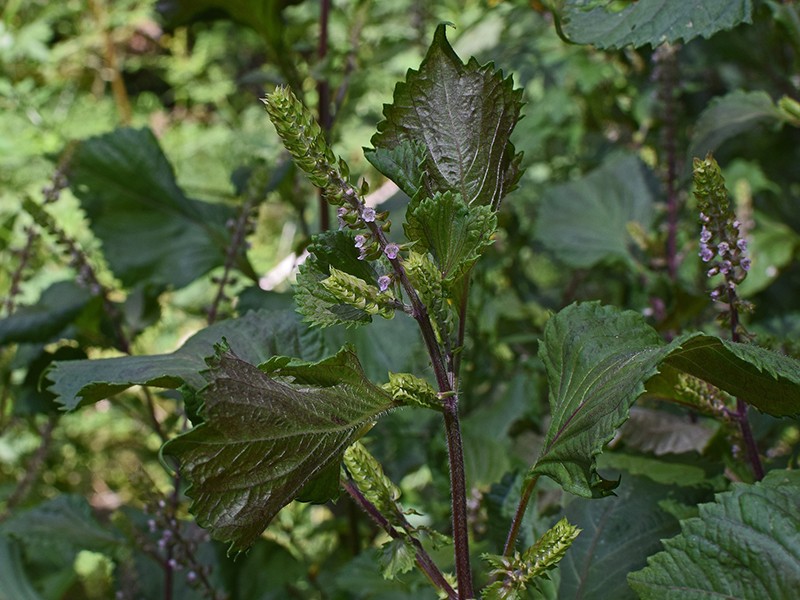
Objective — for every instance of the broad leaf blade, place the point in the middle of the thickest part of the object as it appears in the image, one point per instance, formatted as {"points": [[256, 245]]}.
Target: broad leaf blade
{"points": [[463, 116], [58, 306], [264, 439], [255, 337], [587, 221], [618, 535], [148, 227], [730, 115], [746, 545], [765, 379], [16, 584], [597, 360], [650, 21]]}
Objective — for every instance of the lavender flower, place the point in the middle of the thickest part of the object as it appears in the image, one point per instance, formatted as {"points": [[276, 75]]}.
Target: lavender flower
{"points": [[368, 214], [384, 281], [360, 241], [392, 250]]}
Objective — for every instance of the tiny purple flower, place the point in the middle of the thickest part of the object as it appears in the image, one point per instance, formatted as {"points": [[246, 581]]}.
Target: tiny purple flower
{"points": [[368, 214], [741, 244], [705, 253], [723, 248], [712, 271], [384, 281], [725, 267], [737, 224], [704, 218], [360, 240], [745, 264], [705, 235], [392, 250], [714, 294]]}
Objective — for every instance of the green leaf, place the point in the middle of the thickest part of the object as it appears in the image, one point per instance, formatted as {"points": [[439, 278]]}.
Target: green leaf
{"points": [[315, 302], [397, 557], [148, 227], [618, 534], [597, 360], [59, 305], [403, 164], [745, 545], [463, 116], [763, 378], [650, 21], [456, 235], [255, 336], [16, 585], [588, 221], [730, 115], [65, 525], [773, 246], [265, 437]]}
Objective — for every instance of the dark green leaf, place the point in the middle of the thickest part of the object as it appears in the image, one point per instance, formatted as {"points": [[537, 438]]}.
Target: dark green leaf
{"points": [[463, 116], [746, 545], [650, 21], [58, 306], [455, 234], [767, 380], [317, 305], [587, 221], [255, 336], [618, 535], [597, 360], [264, 438], [65, 522], [403, 164], [149, 229], [730, 115], [16, 585]]}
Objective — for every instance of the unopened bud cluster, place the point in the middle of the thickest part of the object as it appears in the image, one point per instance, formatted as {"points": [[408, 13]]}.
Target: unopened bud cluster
{"points": [[722, 246]]}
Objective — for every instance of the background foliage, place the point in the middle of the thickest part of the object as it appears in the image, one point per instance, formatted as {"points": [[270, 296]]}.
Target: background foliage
{"points": [[147, 208]]}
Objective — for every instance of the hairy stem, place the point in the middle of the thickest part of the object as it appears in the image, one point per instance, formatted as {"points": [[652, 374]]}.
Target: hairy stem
{"points": [[751, 448], [516, 522], [323, 104], [421, 556]]}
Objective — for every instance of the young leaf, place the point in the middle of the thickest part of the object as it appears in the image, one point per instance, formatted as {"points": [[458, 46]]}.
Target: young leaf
{"points": [[264, 438], [587, 221], [128, 189], [463, 116], [745, 545], [397, 557], [455, 234], [520, 570], [318, 305], [650, 21], [255, 337], [597, 360]]}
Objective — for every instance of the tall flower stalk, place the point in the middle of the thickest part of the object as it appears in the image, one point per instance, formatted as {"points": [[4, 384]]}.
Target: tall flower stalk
{"points": [[723, 249]]}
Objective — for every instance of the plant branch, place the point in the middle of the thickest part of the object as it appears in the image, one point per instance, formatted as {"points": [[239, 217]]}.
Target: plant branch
{"points": [[516, 522], [421, 556], [32, 469], [324, 104]]}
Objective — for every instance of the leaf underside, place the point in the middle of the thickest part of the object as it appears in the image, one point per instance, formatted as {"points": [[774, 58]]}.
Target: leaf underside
{"points": [[448, 129], [651, 22], [745, 545], [266, 436]]}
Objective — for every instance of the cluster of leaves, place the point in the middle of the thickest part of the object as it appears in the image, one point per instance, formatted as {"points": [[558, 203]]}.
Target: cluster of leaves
{"points": [[259, 409]]}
